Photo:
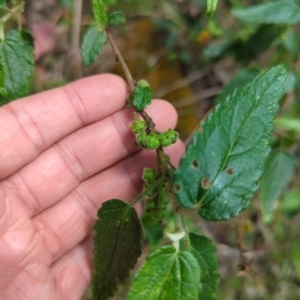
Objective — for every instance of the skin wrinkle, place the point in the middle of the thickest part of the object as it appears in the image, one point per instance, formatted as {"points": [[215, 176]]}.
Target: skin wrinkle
{"points": [[73, 98], [14, 186], [126, 129], [82, 255], [48, 234], [82, 199], [15, 116], [3, 205], [67, 156]]}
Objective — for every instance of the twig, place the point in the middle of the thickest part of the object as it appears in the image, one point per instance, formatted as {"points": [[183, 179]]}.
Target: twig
{"points": [[129, 78], [180, 83], [214, 91]]}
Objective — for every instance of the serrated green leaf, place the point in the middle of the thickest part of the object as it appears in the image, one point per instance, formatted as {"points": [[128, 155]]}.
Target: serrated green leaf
{"points": [[222, 167], [279, 168], [93, 42], [204, 250], [211, 6], [167, 274], [116, 18], [273, 12], [288, 123], [99, 13], [118, 241], [142, 95], [2, 3], [17, 64]]}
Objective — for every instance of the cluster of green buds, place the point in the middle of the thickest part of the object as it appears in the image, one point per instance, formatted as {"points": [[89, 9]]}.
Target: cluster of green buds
{"points": [[158, 197], [153, 140]]}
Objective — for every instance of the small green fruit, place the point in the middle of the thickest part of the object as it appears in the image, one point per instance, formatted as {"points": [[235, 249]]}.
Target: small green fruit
{"points": [[138, 126], [172, 135], [165, 142], [140, 139], [163, 200], [150, 205], [159, 214], [151, 142], [149, 176]]}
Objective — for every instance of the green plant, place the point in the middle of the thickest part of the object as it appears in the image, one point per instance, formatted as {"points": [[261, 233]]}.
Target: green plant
{"points": [[217, 177], [16, 55], [223, 167]]}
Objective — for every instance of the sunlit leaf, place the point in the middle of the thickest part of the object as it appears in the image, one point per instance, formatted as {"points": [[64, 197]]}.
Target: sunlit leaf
{"points": [[92, 45], [99, 13], [279, 168], [2, 3], [167, 274], [117, 245], [204, 250], [17, 65], [221, 169], [142, 95], [272, 12], [211, 6]]}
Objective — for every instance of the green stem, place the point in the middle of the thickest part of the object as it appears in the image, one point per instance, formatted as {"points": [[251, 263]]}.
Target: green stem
{"points": [[145, 191], [18, 9], [129, 78]]}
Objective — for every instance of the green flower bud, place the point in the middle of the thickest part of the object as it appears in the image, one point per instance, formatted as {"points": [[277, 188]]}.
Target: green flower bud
{"points": [[149, 176], [172, 135], [163, 200], [150, 205], [151, 142], [165, 142], [159, 214], [140, 139], [138, 126]]}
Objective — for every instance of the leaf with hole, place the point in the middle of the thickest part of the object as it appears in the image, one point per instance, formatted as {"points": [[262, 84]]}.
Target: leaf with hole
{"points": [[92, 45], [116, 18], [118, 242], [100, 14], [204, 251], [167, 274], [17, 65], [273, 12], [222, 167], [279, 169]]}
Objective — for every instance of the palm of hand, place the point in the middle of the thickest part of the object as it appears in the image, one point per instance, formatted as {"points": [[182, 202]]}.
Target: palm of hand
{"points": [[63, 153]]}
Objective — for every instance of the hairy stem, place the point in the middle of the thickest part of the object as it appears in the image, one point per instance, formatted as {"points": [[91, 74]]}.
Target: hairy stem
{"points": [[129, 78], [145, 191]]}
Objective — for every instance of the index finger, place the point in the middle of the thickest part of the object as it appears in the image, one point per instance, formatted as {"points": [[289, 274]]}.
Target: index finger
{"points": [[32, 124]]}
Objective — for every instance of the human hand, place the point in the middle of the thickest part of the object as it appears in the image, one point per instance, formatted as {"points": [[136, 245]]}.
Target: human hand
{"points": [[63, 153]]}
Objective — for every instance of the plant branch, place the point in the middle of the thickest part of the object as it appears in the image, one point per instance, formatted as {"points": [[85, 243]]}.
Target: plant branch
{"points": [[145, 191], [129, 78], [18, 9]]}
